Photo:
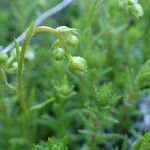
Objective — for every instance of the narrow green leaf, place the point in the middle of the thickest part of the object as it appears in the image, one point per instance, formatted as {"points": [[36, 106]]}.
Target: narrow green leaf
{"points": [[42, 105]]}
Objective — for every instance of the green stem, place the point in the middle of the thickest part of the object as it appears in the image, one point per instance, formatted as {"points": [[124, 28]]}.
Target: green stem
{"points": [[20, 76], [46, 29], [57, 33], [30, 32]]}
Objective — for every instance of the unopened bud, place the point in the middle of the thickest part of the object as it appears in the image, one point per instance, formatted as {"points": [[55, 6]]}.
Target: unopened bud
{"points": [[58, 53], [136, 10], [77, 65], [72, 40], [132, 7]]}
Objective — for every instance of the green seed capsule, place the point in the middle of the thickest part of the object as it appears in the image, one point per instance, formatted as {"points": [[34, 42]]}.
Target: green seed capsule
{"points": [[136, 10], [77, 65], [58, 54], [72, 41], [132, 7]]}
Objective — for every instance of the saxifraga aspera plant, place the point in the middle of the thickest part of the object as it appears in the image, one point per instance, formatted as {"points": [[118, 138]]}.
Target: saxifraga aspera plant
{"points": [[66, 39]]}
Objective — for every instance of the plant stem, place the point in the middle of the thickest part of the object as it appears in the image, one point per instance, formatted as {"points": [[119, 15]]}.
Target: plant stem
{"points": [[57, 33], [46, 29], [30, 32], [20, 77]]}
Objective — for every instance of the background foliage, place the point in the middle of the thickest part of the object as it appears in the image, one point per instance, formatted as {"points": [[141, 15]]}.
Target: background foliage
{"points": [[97, 110]]}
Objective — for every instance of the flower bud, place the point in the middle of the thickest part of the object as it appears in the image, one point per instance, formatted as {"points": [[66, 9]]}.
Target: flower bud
{"points": [[132, 7], [77, 65], [72, 40], [136, 10], [3, 59], [58, 53], [122, 4]]}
